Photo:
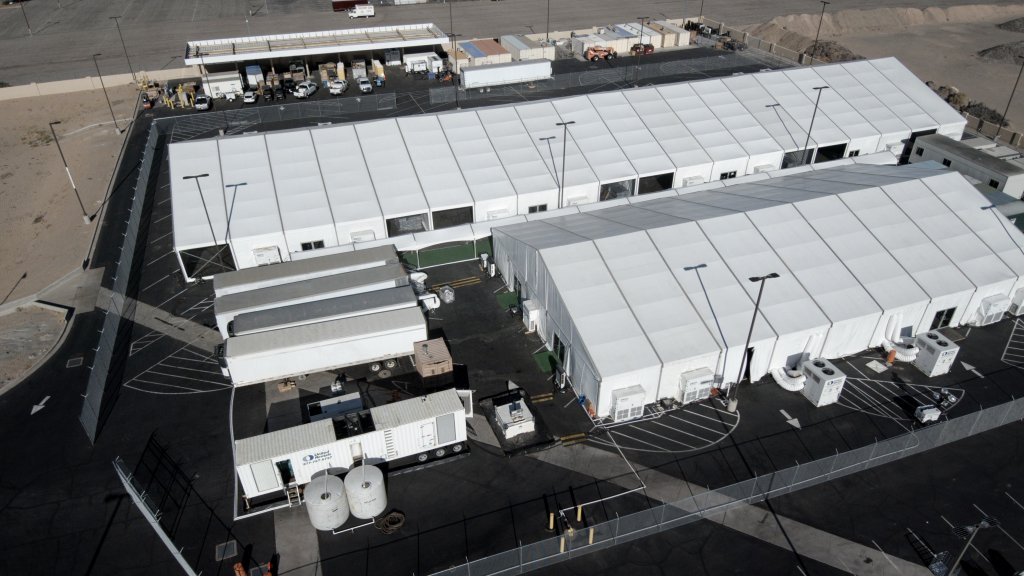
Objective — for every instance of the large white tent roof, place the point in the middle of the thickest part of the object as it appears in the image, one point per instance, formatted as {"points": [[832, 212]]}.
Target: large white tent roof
{"points": [[359, 175], [848, 242]]}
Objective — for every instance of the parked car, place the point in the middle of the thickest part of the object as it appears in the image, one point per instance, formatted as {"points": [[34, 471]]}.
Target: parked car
{"points": [[638, 49], [365, 86], [305, 89], [268, 93], [288, 84], [278, 93], [249, 97], [338, 87], [203, 102]]}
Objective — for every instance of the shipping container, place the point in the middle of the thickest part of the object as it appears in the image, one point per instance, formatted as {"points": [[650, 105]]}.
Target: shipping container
{"points": [[295, 271], [311, 348], [355, 282], [414, 430], [254, 75], [507, 73], [523, 48]]}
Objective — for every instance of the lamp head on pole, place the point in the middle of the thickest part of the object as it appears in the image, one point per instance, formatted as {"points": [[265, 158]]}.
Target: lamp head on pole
{"points": [[695, 267], [765, 277], [565, 123], [194, 177]]}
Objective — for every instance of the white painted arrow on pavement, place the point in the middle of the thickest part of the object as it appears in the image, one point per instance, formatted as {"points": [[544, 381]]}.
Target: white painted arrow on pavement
{"points": [[794, 422], [970, 368], [40, 406]]}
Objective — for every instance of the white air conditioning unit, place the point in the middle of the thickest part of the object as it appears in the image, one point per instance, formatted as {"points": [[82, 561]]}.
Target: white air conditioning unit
{"points": [[576, 201], [992, 309], [1017, 303], [695, 385], [363, 235], [531, 315], [691, 181], [936, 353], [628, 403], [763, 168], [823, 382]]}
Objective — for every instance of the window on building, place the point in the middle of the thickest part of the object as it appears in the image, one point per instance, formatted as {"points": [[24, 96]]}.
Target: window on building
{"points": [[538, 208], [452, 217], [406, 225], [614, 190], [993, 184], [312, 245], [919, 151], [727, 175], [946, 162], [854, 153]]}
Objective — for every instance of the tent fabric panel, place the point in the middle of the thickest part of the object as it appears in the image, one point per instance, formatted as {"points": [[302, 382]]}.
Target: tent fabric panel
{"points": [[436, 168], [597, 144], [477, 159], [348, 184], [191, 228], [256, 210], [306, 214], [391, 169]]}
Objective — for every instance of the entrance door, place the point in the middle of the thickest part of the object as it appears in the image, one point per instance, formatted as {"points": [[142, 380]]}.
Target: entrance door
{"points": [[285, 468], [746, 369], [943, 318]]}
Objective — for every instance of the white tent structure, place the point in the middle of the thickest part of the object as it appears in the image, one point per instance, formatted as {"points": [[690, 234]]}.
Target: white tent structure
{"points": [[329, 186], [642, 293]]}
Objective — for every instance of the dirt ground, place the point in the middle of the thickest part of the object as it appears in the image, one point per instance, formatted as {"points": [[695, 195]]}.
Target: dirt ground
{"points": [[940, 45], [26, 335], [44, 235]]}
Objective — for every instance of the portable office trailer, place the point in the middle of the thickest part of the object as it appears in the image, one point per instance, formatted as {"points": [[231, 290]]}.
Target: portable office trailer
{"points": [[505, 73], [311, 348], [286, 272], [645, 34], [423, 62], [323, 310], [356, 282], [669, 35], [482, 52], [416, 429], [524, 48], [223, 84]]}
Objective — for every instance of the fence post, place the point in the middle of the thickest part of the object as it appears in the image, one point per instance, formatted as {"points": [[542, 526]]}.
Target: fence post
{"points": [[975, 423]]}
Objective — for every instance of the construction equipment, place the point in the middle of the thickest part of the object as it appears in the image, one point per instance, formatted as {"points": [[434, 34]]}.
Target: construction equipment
{"points": [[638, 49], [595, 53]]}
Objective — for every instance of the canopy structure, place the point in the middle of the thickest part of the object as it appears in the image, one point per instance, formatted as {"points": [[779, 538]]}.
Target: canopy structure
{"points": [[645, 292], [329, 186]]}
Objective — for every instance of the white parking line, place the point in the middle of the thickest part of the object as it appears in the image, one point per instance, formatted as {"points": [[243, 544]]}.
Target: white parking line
{"points": [[681, 431], [1001, 529], [646, 431]]}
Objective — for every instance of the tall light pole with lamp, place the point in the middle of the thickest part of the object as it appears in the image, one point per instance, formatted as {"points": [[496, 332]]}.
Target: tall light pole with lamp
{"points": [[551, 155], [85, 216], [565, 138], [105, 95], [1007, 110], [636, 73], [195, 178], [547, 27], [733, 401], [814, 47], [807, 142], [125, 48]]}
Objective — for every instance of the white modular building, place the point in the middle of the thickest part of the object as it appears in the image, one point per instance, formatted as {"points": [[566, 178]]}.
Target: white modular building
{"points": [[633, 297], [330, 186]]}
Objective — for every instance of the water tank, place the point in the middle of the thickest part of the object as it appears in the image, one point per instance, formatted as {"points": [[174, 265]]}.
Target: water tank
{"points": [[326, 502], [367, 497]]}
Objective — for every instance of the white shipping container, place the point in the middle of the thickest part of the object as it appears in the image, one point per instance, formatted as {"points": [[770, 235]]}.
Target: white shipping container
{"points": [[223, 84], [423, 62], [311, 348], [523, 48], [508, 73], [254, 75], [417, 429]]}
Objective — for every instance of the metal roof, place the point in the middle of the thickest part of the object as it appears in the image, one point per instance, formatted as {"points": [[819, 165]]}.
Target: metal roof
{"points": [[284, 272], [281, 442], [416, 409]]}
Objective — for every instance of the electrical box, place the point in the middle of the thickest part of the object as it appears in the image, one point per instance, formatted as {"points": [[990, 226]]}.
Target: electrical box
{"points": [[531, 315], [936, 353], [514, 418], [432, 357], [823, 382], [628, 403], [695, 385]]}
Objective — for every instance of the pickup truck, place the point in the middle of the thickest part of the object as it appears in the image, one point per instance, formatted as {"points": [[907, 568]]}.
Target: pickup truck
{"points": [[338, 87]]}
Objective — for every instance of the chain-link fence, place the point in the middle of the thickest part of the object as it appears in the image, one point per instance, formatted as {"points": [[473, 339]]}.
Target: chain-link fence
{"points": [[103, 376], [712, 504]]}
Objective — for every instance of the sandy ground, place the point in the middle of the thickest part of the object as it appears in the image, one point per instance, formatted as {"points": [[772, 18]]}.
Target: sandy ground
{"points": [[940, 45], [25, 336], [44, 236]]}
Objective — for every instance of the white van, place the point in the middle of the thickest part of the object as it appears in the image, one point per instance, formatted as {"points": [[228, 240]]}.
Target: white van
{"points": [[361, 11]]}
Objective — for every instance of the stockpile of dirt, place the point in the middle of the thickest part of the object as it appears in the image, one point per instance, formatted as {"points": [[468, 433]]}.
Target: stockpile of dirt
{"points": [[1013, 52], [962, 103], [883, 20], [1015, 25], [829, 51]]}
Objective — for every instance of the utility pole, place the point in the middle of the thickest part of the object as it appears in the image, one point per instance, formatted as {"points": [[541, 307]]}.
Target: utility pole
{"points": [[547, 28], [565, 139], [807, 142], [1007, 110], [636, 73], [105, 95], [129, 60], [195, 178]]}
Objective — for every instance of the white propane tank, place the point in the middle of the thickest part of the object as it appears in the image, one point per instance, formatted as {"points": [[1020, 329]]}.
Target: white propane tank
{"points": [[367, 497], [326, 503]]}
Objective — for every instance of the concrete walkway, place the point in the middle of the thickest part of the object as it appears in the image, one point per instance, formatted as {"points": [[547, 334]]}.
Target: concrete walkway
{"points": [[164, 322], [808, 541]]}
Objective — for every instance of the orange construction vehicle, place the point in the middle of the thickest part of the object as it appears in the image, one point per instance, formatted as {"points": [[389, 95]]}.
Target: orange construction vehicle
{"points": [[594, 53]]}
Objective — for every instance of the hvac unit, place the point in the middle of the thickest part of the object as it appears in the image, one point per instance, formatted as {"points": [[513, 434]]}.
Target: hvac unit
{"points": [[628, 403], [762, 168], [363, 235], [936, 353], [691, 181], [576, 201], [1017, 303], [992, 309], [531, 315], [823, 383], [695, 385]]}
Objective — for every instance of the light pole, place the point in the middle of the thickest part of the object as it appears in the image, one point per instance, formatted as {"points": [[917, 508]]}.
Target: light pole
{"points": [[118, 24], [636, 73], [1007, 110], [733, 401], [968, 533], [775, 107], [85, 216], [455, 86], [25, 16], [547, 27], [229, 212], [807, 142], [102, 85], [700, 17], [195, 178], [551, 155], [206, 75], [565, 138], [696, 268], [814, 47]]}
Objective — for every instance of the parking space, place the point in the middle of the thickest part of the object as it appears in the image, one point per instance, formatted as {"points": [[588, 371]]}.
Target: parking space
{"points": [[186, 370], [1013, 354], [895, 400], [692, 428]]}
